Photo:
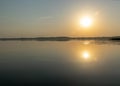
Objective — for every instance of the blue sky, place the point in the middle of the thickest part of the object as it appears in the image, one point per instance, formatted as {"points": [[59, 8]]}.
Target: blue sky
{"points": [[30, 18]]}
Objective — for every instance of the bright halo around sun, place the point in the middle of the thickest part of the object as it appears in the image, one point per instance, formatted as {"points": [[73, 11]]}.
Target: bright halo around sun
{"points": [[86, 21]]}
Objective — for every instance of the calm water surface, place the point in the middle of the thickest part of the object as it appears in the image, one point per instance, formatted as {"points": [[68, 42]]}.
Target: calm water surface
{"points": [[70, 63]]}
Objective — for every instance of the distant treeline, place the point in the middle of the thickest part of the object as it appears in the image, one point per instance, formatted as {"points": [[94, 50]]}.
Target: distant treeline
{"points": [[60, 38]]}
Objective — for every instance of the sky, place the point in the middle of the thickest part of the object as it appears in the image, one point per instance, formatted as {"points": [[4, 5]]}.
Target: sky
{"points": [[31, 18]]}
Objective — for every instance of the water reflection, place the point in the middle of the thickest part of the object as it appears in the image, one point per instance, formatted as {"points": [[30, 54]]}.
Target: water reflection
{"points": [[103, 42], [85, 61], [86, 55], [86, 42]]}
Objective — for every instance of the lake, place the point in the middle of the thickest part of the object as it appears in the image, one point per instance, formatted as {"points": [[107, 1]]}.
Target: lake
{"points": [[55, 63]]}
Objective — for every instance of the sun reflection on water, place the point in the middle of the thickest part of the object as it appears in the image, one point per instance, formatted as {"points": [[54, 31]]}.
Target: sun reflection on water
{"points": [[86, 55]]}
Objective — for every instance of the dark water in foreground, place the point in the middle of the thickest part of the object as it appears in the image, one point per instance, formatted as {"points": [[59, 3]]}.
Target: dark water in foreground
{"points": [[70, 63]]}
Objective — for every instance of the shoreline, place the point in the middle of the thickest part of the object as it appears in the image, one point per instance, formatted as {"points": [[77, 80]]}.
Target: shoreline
{"points": [[115, 38]]}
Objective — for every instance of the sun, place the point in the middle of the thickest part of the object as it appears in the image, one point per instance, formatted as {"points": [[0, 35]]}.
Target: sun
{"points": [[86, 21]]}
